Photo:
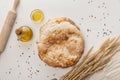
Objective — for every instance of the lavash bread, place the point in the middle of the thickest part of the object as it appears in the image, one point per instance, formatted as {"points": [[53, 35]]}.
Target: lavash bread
{"points": [[60, 43]]}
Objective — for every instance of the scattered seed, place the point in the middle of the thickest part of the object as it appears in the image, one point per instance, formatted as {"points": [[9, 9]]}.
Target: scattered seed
{"points": [[88, 30], [95, 17], [104, 24], [97, 35], [104, 17], [98, 6], [108, 14], [47, 76], [33, 53], [105, 33], [103, 13], [110, 31], [103, 3], [45, 64], [28, 48], [119, 19], [37, 71], [54, 79], [31, 74], [28, 76], [18, 66], [19, 73], [17, 60], [79, 23], [9, 72], [28, 62], [15, 22], [82, 18], [18, 76], [91, 15], [88, 2], [19, 46], [30, 70], [54, 74], [39, 64], [10, 69], [22, 53], [10, 47], [87, 35], [74, 0]]}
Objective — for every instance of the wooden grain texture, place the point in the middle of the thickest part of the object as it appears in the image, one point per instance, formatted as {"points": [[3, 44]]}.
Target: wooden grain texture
{"points": [[6, 30], [8, 25]]}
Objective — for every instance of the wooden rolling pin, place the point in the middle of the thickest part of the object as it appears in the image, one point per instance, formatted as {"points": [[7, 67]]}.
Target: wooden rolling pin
{"points": [[8, 25]]}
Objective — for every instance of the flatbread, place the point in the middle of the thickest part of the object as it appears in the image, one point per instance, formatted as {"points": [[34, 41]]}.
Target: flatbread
{"points": [[60, 43]]}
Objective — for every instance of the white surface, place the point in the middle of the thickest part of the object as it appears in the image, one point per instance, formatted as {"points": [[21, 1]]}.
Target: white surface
{"points": [[98, 16]]}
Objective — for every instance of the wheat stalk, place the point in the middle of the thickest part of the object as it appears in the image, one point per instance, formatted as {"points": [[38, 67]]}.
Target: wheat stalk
{"points": [[94, 62]]}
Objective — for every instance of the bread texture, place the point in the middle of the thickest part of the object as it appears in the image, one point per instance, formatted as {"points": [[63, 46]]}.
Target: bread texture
{"points": [[60, 43]]}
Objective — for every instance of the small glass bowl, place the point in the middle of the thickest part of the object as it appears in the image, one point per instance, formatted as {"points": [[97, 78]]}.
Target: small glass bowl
{"points": [[37, 16]]}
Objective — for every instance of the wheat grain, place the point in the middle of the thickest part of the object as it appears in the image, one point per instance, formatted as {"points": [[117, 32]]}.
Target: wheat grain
{"points": [[94, 62]]}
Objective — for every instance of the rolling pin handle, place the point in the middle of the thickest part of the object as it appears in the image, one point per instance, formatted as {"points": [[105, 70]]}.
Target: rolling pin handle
{"points": [[16, 3]]}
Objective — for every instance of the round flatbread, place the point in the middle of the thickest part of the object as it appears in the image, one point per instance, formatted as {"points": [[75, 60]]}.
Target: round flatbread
{"points": [[60, 43]]}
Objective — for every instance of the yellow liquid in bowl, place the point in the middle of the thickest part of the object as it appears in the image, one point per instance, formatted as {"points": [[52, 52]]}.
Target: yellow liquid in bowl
{"points": [[37, 16], [24, 33]]}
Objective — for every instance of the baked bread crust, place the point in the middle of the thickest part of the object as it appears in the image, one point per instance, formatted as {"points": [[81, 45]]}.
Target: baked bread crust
{"points": [[60, 43]]}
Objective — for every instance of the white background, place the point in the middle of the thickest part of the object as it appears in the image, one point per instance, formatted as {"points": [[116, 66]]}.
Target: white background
{"points": [[20, 61]]}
